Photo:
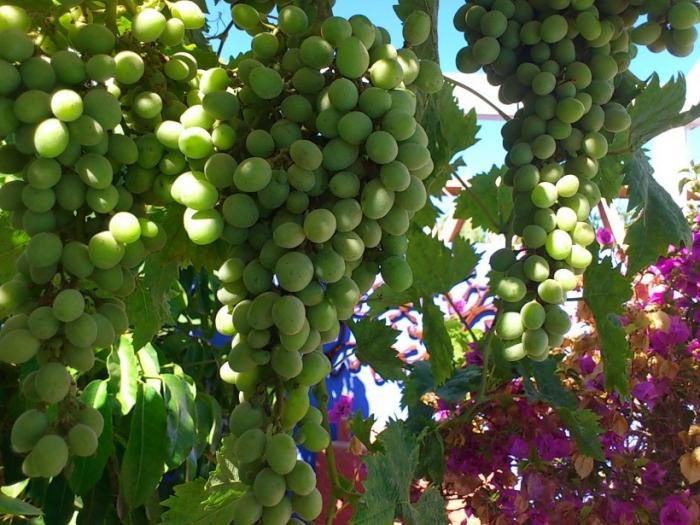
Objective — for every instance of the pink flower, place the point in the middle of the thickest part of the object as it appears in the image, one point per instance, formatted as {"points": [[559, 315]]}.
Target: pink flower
{"points": [[604, 236], [341, 409], [674, 513]]}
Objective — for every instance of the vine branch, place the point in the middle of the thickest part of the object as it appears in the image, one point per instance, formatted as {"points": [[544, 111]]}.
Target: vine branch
{"points": [[474, 92], [321, 394]]}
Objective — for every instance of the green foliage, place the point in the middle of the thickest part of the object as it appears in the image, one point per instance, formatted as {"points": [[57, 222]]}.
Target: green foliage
{"points": [[142, 464], [148, 307], [187, 506], [484, 202], [374, 347], [16, 507], [388, 483], [658, 220], [12, 241], [437, 341], [123, 374], [606, 290]]}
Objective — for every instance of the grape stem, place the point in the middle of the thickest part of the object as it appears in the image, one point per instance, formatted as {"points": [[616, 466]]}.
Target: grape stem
{"points": [[223, 36], [465, 324], [111, 15], [471, 90], [321, 394], [496, 223], [130, 6]]}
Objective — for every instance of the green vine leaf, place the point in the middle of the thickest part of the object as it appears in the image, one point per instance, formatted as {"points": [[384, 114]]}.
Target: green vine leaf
{"points": [[485, 203], [374, 347], [437, 268], [659, 221], [12, 242], [187, 506], [585, 429], [437, 342], [16, 507], [144, 457], [606, 291], [148, 306], [388, 484]]}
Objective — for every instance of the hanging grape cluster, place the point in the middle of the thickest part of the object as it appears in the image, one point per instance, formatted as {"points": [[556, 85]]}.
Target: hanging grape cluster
{"points": [[78, 114], [315, 199], [559, 60]]}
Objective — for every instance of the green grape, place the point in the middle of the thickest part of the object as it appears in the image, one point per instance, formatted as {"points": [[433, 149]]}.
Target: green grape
{"points": [[240, 210], [558, 245], [116, 316], [536, 268], [27, 429], [147, 105], [510, 289], [266, 83], [81, 332], [95, 171], [557, 321], [509, 325], [553, 28], [579, 257], [295, 408], [329, 266], [616, 118], [354, 127], [315, 437], [52, 382], [42, 174], [14, 17], [281, 453], [257, 278], [322, 316], [44, 249], [526, 178], [683, 15], [129, 67], [189, 12], [570, 110], [125, 227], [82, 440], [15, 45], [147, 25], [252, 175], [48, 457], [550, 291], [294, 271], [295, 342], [289, 315], [339, 155], [344, 185], [279, 514], [301, 479], [247, 510], [195, 143], [319, 225], [315, 52], [532, 315], [306, 154], [18, 346], [583, 234], [566, 278], [567, 186], [269, 487], [38, 201], [535, 342], [250, 446], [292, 20], [502, 259], [85, 130], [42, 323], [51, 138], [416, 28], [352, 58], [308, 507], [104, 250], [95, 39], [376, 200], [316, 367], [397, 273], [544, 195], [534, 236]]}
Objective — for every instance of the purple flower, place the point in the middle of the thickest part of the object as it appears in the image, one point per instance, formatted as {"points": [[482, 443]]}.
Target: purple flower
{"points": [[519, 448], [604, 236], [649, 391], [550, 447], [653, 474], [341, 409], [674, 513], [621, 511], [586, 364]]}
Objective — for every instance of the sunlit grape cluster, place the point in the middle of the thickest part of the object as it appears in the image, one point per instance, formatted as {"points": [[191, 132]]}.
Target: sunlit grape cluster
{"points": [[559, 60], [314, 196], [77, 118]]}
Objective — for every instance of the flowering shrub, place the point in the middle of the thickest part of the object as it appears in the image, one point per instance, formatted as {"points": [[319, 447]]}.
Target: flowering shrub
{"points": [[516, 462]]}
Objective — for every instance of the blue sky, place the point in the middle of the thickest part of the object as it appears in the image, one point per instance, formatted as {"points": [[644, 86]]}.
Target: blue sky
{"points": [[481, 156]]}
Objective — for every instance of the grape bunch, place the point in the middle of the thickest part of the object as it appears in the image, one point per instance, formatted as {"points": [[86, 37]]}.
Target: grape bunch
{"points": [[313, 198], [79, 120], [670, 26], [559, 60]]}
